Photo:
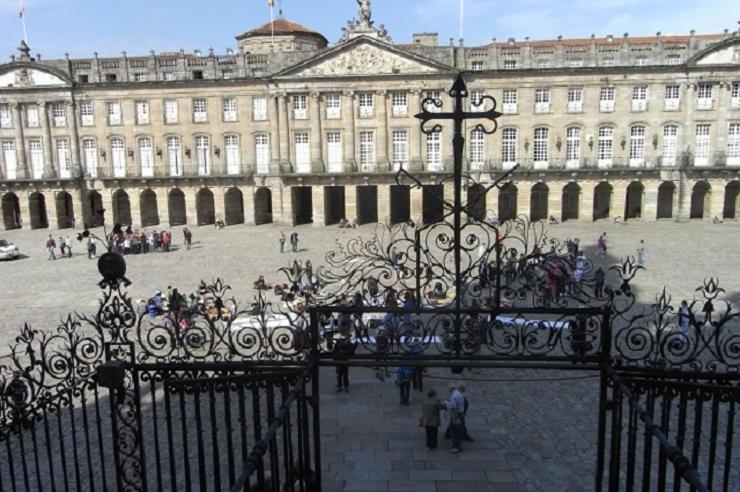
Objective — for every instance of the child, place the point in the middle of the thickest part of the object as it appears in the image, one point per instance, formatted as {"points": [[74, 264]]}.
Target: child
{"points": [[430, 418]]}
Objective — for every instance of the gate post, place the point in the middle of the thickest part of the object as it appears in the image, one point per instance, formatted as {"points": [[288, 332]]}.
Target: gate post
{"points": [[315, 399], [604, 362]]}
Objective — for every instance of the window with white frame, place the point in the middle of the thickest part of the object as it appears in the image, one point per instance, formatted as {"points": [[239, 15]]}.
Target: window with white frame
{"points": [[508, 147], [169, 76], [606, 99], [575, 99], [333, 106], [605, 147], [10, 159], [227, 73], [673, 59], [572, 146], [476, 101], [434, 96], [641, 60], [477, 150], [259, 108], [114, 112], [203, 154], [6, 118], [733, 144], [262, 153], [302, 153], [146, 156], [637, 145], [704, 96], [63, 158], [575, 62], [170, 111], [367, 151], [542, 100], [300, 107], [543, 63], [174, 155], [32, 115], [477, 65], [509, 99], [670, 145], [366, 105], [118, 157], [735, 95], [541, 154], [36, 156], [607, 61], [400, 149], [434, 151], [701, 146], [335, 153], [233, 157], [229, 109], [139, 77], [90, 157], [200, 110], [400, 103], [142, 113], [87, 113], [672, 100], [639, 98], [509, 64], [59, 114]]}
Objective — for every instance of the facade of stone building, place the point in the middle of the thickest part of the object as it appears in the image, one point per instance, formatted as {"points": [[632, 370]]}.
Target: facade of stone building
{"points": [[289, 129]]}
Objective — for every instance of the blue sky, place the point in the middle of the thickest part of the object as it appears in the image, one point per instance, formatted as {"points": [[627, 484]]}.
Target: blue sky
{"points": [[137, 26]]}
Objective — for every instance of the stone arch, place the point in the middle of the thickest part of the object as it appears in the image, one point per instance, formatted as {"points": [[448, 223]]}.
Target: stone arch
{"points": [[263, 206], [477, 201], [205, 207], [571, 201], [65, 210], [233, 206], [176, 207], [121, 208], [701, 196], [666, 200], [94, 213], [633, 203], [732, 200], [538, 201], [149, 208], [507, 202], [37, 210], [11, 206], [602, 200]]}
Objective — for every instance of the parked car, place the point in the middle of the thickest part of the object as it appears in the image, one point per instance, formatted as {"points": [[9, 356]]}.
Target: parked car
{"points": [[8, 251]]}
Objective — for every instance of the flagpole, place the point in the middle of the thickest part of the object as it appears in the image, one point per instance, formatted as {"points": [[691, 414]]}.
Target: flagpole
{"points": [[272, 24], [462, 19], [23, 21]]}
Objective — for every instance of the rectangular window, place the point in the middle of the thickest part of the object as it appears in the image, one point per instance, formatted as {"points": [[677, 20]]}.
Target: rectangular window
{"points": [[83, 78], [114, 113], [508, 147], [400, 149], [400, 104], [639, 98], [333, 106], [146, 156], [142, 113], [733, 144], [575, 99], [197, 74], [90, 157], [10, 159], [139, 77], [637, 145], [262, 153], [259, 108], [65, 171], [367, 151], [170, 111], [701, 147], [203, 155], [704, 96], [607, 62], [227, 74], [32, 115], [434, 151], [543, 63], [572, 147], [509, 64], [169, 76], [509, 100], [542, 100], [59, 114], [233, 154], [605, 149], [735, 95], [366, 105], [36, 156], [477, 150], [541, 153], [575, 62], [229, 109], [335, 153], [118, 157], [200, 110], [174, 156], [436, 96], [302, 153], [670, 145], [606, 99], [672, 97], [87, 114], [6, 118], [476, 101], [673, 59], [641, 60], [300, 107], [477, 65]]}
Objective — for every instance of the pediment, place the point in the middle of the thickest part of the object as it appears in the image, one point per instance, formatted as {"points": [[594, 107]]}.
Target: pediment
{"points": [[723, 53], [364, 57], [29, 76]]}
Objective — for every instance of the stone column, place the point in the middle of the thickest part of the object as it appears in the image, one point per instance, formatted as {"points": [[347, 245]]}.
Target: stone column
{"points": [[381, 136], [415, 140], [25, 210], [350, 201], [219, 202], [317, 202], [650, 200], [275, 136], [586, 203], [286, 212], [619, 199], [384, 203], [134, 197], [191, 205], [491, 202], [349, 113], [555, 199], [76, 167], [284, 133], [248, 196], [717, 198], [48, 152], [417, 205], [523, 198], [317, 162], [20, 144], [78, 213], [106, 196], [685, 186], [163, 205], [50, 198]]}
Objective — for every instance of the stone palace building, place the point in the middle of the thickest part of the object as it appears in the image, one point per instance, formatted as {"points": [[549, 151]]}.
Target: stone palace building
{"points": [[288, 129]]}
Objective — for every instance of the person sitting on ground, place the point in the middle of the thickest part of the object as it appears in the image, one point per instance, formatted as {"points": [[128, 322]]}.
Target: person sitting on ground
{"points": [[618, 220], [260, 284], [352, 224], [552, 220], [717, 220], [342, 223]]}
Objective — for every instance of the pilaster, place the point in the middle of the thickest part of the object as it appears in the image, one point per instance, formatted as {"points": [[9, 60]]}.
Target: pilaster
{"points": [[650, 200], [417, 205], [219, 202], [717, 198], [134, 197], [381, 136], [317, 162], [317, 202], [248, 196], [191, 209], [619, 199], [415, 153], [48, 153], [24, 205], [22, 170], [350, 201], [163, 205], [384, 203], [586, 202], [555, 199], [524, 198], [275, 135], [348, 115], [74, 143]]}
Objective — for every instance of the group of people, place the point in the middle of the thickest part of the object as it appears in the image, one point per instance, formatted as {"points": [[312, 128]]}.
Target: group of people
{"points": [[293, 241], [64, 245], [347, 224], [137, 242]]}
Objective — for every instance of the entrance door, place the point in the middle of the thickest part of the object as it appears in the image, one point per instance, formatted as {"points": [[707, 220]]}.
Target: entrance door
{"points": [[65, 210], [602, 201], [334, 210], [633, 206], [666, 192], [176, 206], [400, 204], [234, 204], [477, 202], [367, 204], [507, 198], [205, 207], [571, 199], [11, 211], [538, 202], [700, 196], [431, 202], [262, 206], [302, 205]]}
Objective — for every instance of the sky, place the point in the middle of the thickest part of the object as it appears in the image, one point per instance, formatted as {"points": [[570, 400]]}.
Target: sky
{"points": [[82, 27]]}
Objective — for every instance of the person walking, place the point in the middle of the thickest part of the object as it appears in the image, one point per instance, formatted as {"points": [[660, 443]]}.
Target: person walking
{"points": [[343, 349], [50, 245], [188, 236], [91, 253], [455, 406], [294, 242], [466, 404], [601, 244], [404, 374], [684, 318], [641, 253], [599, 276], [62, 246], [68, 240], [430, 418], [282, 242]]}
